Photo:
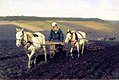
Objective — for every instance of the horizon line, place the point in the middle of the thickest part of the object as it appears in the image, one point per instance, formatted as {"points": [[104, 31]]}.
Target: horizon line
{"points": [[56, 17]]}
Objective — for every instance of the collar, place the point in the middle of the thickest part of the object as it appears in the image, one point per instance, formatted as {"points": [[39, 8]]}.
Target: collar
{"points": [[73, 42]]}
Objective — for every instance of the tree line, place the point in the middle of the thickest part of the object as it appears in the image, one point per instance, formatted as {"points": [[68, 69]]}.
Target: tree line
{"points": [[15, 18]]}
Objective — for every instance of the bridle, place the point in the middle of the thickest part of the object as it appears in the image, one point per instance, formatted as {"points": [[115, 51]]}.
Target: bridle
{"points": [[73, 42], [22, 41]]}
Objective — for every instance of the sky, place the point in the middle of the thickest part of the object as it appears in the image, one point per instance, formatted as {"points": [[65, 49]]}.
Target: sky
{"points": [[103, 9]]}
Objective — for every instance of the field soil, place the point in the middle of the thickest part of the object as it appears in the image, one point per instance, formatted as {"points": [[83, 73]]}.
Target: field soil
{"points": [[99, 63]]}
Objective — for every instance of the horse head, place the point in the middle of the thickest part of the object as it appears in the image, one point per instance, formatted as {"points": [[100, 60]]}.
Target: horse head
{"points": [[68, 36], [19, 37]]}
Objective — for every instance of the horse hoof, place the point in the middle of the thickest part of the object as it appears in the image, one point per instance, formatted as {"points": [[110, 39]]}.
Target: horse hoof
{"points": [[35, 62], [29, 67], [72, 57], [45, 60], [78, 56]]}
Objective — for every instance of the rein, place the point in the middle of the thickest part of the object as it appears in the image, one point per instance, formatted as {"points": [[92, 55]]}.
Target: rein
{"points": [[24, 42], [73, 42], [28, 42]]}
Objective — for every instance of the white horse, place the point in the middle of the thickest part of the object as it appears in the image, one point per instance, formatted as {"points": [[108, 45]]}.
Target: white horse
{"points": [[77, 39], [32, 43]]}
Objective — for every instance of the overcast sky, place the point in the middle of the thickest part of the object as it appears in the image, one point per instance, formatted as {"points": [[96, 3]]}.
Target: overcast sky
{"points": [[104, 9]]}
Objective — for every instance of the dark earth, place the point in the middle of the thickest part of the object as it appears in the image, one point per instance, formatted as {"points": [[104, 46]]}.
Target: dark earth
{"points": [[100, 63]]}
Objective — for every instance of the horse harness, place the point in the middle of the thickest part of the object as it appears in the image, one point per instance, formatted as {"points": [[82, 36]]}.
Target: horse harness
{"points": [[73, 42], [29, 41]]}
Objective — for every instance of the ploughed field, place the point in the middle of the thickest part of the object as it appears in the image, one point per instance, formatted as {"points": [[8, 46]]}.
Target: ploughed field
{"points": [[100, 60]]}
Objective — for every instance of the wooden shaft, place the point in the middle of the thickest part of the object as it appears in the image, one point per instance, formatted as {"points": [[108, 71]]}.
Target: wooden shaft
{"points": [[52, 43]]}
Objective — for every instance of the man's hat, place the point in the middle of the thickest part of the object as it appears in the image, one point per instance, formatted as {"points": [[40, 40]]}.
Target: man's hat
{"points": [[54, 24]]}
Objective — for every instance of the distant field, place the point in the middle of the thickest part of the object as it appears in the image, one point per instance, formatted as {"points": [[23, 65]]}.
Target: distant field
{"points": [[93, 25], [46, 25], [96, 29], [39, 25]]}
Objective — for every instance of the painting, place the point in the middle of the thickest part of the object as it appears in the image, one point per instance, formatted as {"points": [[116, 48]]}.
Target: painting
{"points": [[98, 19]]}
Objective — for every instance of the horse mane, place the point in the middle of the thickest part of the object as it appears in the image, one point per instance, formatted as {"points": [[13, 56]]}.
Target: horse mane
{"points": [[68, 32], [76, 36]]}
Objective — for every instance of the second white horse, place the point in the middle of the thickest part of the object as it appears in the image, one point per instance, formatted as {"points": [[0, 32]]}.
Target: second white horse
{"points": [[77, 39]]}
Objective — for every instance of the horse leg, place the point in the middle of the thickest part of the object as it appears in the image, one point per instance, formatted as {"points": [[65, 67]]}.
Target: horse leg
{"points": [[71, 52], [44, 48], [82, 49], [78, 47], [35, 59], [29, 59]]}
